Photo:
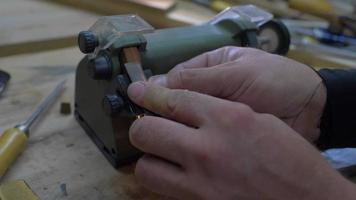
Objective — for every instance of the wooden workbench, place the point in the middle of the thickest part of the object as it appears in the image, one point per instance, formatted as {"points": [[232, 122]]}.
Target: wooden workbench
{"points": [[35, 25], [60, 162], [59, 154]]}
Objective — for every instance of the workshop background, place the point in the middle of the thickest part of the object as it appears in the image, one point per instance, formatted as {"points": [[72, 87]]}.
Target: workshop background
{"points": [[38, 49]]}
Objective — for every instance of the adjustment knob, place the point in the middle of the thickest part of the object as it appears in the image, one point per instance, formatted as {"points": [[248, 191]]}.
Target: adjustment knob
{"points": [[100, 68], [87, 42], [113, 104]]}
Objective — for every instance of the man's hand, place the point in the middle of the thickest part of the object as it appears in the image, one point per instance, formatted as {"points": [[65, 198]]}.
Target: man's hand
{"points": [[209, 148], [268, 83]]}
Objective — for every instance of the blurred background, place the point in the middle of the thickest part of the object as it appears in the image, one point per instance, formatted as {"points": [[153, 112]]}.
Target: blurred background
{"points": [[323, 31], [38, 48]]}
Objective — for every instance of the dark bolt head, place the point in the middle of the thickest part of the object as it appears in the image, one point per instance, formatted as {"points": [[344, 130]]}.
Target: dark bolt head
{"points": [[100, 68], [87, 42], [113, 104]]}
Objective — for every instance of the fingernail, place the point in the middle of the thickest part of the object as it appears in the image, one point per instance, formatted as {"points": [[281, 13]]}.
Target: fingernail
{"points": [[136, 90], [159, 80]]}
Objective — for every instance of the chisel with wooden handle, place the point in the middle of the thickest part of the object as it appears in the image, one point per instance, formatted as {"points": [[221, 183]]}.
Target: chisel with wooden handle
{"points": [[13, 141]]}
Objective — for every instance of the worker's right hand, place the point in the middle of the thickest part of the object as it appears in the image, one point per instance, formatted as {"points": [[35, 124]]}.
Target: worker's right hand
{"points": [[204, 147], [268, 83]]}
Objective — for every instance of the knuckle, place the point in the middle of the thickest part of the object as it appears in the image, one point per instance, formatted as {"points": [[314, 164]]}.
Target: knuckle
{"points": [[176, 101], [244, 112], [226, 49], [186, 75], [251, 50], [178, 78], [240, 113], [173, 103], [230, 48], [231, 53], [267, 117], [175, 79], [201, 153]]}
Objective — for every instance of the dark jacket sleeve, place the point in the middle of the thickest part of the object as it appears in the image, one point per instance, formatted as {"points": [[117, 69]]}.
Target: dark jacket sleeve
{"points": [[338, 123]]}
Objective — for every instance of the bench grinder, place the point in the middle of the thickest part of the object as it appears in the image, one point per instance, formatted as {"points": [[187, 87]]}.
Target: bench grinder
{"points": [[124, 49]]}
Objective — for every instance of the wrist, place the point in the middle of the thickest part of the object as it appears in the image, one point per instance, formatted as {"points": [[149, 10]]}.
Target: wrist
{"points": [[335, 187], [326, 183]]}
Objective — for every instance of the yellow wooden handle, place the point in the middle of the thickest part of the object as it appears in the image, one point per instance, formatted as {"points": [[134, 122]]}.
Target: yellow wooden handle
{"points": [[12, 143], [320, 8], [219, 6], [17, 190]]}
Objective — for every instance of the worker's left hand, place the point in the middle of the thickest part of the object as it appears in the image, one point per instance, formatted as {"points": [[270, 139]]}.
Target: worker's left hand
{"points": [[268, 83], [209, 148]]}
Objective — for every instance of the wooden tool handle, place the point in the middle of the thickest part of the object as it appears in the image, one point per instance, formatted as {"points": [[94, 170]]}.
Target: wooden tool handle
{"points": [[12, 143], [320, 8]]}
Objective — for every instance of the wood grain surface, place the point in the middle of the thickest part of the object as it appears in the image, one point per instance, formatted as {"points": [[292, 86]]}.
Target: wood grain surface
{"points": [[60, 162], [34, 25]]}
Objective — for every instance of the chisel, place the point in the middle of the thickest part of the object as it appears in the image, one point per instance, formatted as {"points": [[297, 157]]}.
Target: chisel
{"points": [[13, 141]]}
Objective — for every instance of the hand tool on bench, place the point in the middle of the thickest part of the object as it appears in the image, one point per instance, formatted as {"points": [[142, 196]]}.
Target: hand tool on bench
{"points": [[13, 141]]}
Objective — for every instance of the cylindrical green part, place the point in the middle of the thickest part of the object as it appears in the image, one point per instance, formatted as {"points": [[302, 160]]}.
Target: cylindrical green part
{"points": [[166, 48], [169, 47]]}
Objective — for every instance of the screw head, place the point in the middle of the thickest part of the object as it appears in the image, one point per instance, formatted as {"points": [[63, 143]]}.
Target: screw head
{"points": [[113, 104], [99, 68]]}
